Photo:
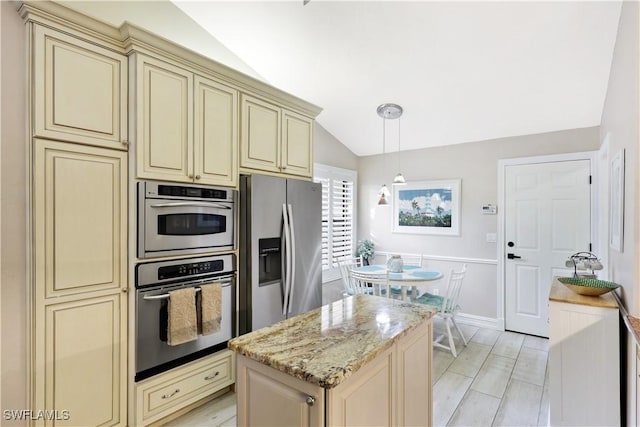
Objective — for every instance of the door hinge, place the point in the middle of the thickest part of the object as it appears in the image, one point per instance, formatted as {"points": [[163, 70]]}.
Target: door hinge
{"points": [[589, 179]]}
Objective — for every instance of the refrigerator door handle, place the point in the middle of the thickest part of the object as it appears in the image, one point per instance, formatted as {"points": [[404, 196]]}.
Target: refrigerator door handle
{"points": [[292, 282], [287, 257]]}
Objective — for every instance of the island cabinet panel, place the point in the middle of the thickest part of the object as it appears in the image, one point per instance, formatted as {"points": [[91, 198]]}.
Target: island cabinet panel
{"points": [[414, 364], [80, 90], [187, 125], [368, 397], [584, 364], [268, 397], [275, 139]]}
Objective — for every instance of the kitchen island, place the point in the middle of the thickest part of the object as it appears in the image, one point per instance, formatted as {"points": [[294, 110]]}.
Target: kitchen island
{"points": [[362, 360]]}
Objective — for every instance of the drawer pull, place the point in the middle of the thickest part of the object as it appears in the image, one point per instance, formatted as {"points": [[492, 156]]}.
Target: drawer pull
{"points": [[167, 396], [211, 377]]}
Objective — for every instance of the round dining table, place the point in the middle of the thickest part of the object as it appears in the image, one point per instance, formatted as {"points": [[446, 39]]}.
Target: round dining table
{"points": [[410, 277]]}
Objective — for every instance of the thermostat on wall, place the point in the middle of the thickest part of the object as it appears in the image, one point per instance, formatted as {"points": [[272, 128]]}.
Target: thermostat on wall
{"points": [[489, 209]]}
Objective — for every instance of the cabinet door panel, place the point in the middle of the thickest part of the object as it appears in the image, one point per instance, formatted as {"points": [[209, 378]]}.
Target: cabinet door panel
{"points": [[272, 398], [164, 121], [368, 397], [260, 143], [215, 133], [297, 144], [80, 219], [80, 90], [84, 369], [414, 377]]}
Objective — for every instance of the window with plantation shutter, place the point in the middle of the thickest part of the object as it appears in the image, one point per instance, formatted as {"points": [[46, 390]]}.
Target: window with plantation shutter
{"points": [[338, 216]]}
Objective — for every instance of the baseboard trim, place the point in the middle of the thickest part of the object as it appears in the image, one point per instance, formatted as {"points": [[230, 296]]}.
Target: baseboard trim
{"points": [[480, 321]]}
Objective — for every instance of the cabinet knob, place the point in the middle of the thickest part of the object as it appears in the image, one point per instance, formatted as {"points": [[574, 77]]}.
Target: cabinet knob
{"points": [[283, 167], [310, 400], [190, 176], [197, 176], [125, 290], [125, 142]]}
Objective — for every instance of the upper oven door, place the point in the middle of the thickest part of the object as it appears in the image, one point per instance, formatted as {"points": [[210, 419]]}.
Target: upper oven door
{"points": [[174, 226]]}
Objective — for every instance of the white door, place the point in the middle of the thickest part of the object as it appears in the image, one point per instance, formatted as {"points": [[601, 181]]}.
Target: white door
{"points": [[547, 218]]}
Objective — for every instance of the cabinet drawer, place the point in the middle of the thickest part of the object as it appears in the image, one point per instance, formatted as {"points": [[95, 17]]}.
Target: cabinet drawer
{"points": [[169, 392]]}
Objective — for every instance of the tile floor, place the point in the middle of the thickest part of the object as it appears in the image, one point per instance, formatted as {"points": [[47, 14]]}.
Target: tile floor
{"points": [[499, 379]]}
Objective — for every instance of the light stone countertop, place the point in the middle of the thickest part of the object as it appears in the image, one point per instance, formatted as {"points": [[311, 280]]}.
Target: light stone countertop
{"points": [[327, 345]]}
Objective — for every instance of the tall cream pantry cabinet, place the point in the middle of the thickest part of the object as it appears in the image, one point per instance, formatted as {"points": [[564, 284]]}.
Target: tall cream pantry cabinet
{"points": [[78, 205]]}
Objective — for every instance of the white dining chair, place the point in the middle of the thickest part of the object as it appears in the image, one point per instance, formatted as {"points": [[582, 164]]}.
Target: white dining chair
{"points": [[345, 264], [407, 259], [369, 283], [447, 305]]}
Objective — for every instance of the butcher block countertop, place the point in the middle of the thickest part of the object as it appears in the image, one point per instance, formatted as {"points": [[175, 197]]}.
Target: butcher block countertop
{"points": [[327, 345], [560, 293]]}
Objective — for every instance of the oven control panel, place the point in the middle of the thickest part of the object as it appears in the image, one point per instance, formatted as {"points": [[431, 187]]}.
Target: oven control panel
{"points": [[183, 270], [190, 269]]}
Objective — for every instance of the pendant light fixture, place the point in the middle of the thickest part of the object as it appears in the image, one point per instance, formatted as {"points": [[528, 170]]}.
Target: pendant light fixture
{"points": [[388, 111], [399, 179]]}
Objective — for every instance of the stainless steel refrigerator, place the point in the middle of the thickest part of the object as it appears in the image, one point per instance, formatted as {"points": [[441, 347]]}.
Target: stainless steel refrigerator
{"points": [[280, 249]]}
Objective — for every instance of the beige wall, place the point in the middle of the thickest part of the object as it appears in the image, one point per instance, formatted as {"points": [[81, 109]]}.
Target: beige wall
{"points": [[620, 125], [477, 165], [329, 151], [13, 284]]}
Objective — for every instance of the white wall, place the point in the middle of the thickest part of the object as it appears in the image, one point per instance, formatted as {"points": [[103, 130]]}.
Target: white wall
{"points": [[476, 164], [13, 283], [329, 151], [620, 125]]}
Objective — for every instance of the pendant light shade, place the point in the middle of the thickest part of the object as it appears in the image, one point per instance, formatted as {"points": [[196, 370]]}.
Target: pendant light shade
{"points": [[383, 194], [399, 179]]}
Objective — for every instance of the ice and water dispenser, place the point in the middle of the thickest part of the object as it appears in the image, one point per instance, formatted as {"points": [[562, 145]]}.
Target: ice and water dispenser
{"points": [[270, 269]]}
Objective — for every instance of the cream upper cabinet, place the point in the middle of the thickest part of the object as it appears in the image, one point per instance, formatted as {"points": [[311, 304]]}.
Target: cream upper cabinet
{"points": [[80, 282], [274, 139], [216, 133], [186, 125], [79, 90]]}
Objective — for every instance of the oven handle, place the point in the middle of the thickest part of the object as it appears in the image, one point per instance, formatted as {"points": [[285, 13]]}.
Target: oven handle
{"points": [[225, 283], [194, 204]]}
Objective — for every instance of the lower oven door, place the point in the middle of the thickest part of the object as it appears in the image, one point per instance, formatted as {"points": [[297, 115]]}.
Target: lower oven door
{"points": [[153, 354]]}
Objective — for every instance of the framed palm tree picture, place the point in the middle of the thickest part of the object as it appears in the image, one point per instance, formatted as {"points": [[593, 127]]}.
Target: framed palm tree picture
{"points": [[427, 207]]}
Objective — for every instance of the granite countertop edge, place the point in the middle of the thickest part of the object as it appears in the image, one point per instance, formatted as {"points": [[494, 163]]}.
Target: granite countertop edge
{"points": [[307, 347]]}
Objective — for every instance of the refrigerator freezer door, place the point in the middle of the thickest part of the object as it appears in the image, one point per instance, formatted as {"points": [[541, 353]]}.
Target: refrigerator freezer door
{"points": [[305, 199], [262, 198]]}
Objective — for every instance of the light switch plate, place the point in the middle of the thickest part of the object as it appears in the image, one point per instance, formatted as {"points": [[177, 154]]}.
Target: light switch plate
{"points": [[492, 237]]}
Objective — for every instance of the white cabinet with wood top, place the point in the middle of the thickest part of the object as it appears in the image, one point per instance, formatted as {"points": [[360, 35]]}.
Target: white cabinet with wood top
{"points": [[80, 282], [186, 124], [274, 139], [584, 361], [79, 89]]}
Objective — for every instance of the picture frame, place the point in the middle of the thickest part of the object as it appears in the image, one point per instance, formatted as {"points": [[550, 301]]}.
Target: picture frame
{"points": [[427, 207], [616, 220]]}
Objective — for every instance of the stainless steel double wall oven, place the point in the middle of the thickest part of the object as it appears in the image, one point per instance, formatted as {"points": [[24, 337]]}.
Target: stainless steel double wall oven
{"points": [[184, 220]]}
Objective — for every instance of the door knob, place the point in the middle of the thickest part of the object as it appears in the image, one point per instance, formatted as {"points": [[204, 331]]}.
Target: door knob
{"points": [[512, 256]]}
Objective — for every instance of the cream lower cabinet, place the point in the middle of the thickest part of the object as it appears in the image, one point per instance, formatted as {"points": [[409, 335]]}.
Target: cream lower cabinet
{"points": [[394, 389], [274, 139], [162, 395], [80, 89], [79, 284], [186, 125], [584, 364]]}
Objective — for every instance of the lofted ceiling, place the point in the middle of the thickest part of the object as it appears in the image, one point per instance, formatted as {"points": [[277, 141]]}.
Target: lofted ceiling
{"points": [[462, 71]]}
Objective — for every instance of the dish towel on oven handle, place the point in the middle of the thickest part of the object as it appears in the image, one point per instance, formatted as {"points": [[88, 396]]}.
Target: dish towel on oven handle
{"points": [[210, 308], [182, 319]]}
